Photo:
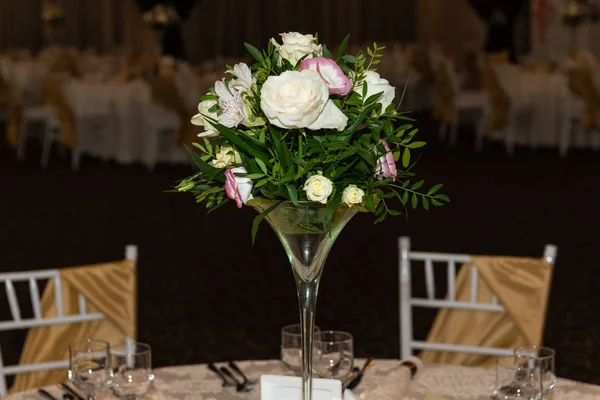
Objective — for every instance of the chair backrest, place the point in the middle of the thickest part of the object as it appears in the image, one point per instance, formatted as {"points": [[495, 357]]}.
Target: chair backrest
{"points": [[407, 301], [18, 322]]}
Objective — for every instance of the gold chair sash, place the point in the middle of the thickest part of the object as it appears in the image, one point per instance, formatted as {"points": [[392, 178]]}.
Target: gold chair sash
{"points": [[522, 286], [53, 95], [165, 93], [109, 288], [65, 62], [444, 103], [420, 61], [582, 86], [499, 99], [138, 68], [501, 57]]}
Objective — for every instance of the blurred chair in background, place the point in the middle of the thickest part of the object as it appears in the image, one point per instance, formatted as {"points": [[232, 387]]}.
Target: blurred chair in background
{"points": [[494, 305], [74, 306]]}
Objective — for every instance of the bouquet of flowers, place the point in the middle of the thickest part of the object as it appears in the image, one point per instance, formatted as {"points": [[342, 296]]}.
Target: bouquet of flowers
{"points": [[160, 17], [52, 14], [578, 12], [303, 124]]}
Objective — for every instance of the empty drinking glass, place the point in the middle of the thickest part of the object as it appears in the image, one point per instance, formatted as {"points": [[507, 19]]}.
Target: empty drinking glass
{"points": [[131, 376], [544, 359], [336, 354], [291, 347], [517, 378], [89, 365]]}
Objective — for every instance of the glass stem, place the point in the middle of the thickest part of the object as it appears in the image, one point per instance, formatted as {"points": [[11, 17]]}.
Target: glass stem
{"points": [[307, 299]]}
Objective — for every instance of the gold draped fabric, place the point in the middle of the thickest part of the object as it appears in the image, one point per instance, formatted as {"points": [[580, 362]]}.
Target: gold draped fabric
{"points": [[138, 68], [444, 103], [420, 61], [109, 288], [581, 85], [473, 71], [65, 62], [498, 97], [166, 94], [522, 286], [53, 95]]}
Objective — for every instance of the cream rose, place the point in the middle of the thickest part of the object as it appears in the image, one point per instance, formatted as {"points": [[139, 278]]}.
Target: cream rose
{"points": [[318, 188], [226, 157], [352, 194], [296, 45], [300, 99], [376, 84], [198, 119]]}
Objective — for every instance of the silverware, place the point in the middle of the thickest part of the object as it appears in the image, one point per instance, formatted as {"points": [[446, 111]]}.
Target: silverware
{"points": [[66, 388], [68, 396], [240, 387], [358, 377], [214, 369], [236, 369], [46, 395]]}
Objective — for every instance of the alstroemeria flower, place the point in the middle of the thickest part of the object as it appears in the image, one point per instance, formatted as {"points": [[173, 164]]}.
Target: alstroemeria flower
{"points": [[238, 188], [244, 79], [386, 166], [337, 81], [233, 109]]}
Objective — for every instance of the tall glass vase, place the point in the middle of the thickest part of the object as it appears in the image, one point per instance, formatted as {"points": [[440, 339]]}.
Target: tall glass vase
{"points": [[307, 237]]}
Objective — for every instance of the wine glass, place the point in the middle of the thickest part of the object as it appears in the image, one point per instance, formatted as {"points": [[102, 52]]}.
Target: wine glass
{"points": [[131, 375], [517, 378], [291, 347], [89, 365], [336, 354], [544, 359]]}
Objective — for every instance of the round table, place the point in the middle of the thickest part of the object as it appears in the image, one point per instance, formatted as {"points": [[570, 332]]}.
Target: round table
{"points": [[379, 383]]}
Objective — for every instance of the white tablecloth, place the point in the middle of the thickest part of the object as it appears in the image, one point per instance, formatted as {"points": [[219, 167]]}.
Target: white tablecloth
{"points": [[449, 382]]}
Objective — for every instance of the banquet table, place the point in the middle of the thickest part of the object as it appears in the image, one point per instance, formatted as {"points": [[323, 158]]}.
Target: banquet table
{"points": [[381, 382]]}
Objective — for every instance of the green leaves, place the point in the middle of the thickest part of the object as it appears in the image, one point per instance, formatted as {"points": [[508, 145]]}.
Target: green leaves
{"points": [[255, 52], [279, 160], [259, 218], [342, 46]]}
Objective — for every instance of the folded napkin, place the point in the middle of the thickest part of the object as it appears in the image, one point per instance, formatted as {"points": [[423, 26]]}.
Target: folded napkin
{"points": [[397, 382]]}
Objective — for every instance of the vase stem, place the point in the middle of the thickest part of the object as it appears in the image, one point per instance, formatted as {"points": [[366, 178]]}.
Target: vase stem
{"points": [[307, 299]]}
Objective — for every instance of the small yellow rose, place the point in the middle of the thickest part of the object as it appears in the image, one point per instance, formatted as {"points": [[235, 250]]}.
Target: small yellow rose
{"points": [[318, 188], [226, 157], [352, 195]]}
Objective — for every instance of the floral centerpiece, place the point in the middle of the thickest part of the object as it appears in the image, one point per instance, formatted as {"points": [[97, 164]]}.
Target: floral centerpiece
{"points": [[161, 17], [579, 12], [308, 138], [53, 14]]}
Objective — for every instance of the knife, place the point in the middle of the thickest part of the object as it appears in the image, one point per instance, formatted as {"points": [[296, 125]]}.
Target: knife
{"points": [[356, 380], [70, 390], [46, 395]]}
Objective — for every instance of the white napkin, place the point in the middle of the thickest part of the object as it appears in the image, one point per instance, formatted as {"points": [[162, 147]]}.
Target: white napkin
{"points": [[397, 382]]}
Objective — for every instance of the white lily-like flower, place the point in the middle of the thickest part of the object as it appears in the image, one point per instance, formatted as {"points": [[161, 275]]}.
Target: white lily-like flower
{"points": [[233, 109], [244, 80]]}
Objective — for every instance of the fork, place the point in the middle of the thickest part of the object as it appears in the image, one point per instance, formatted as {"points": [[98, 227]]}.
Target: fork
{"points": [[240, 386], [234, 367]]}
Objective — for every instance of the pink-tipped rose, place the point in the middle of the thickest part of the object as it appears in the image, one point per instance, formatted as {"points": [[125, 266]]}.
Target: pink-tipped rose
{"points": [[386, 167], [331, 73], [238, 188]]}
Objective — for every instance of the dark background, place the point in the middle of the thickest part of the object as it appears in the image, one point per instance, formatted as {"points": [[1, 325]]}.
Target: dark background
{"points": [[207, 294]]}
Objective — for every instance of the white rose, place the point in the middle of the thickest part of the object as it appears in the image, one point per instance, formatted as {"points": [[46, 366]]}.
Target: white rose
{"points": [[300, 99], [226, 157], [318, 188], [295, 46], [352, 195], [198, 119], [376, 84]]}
